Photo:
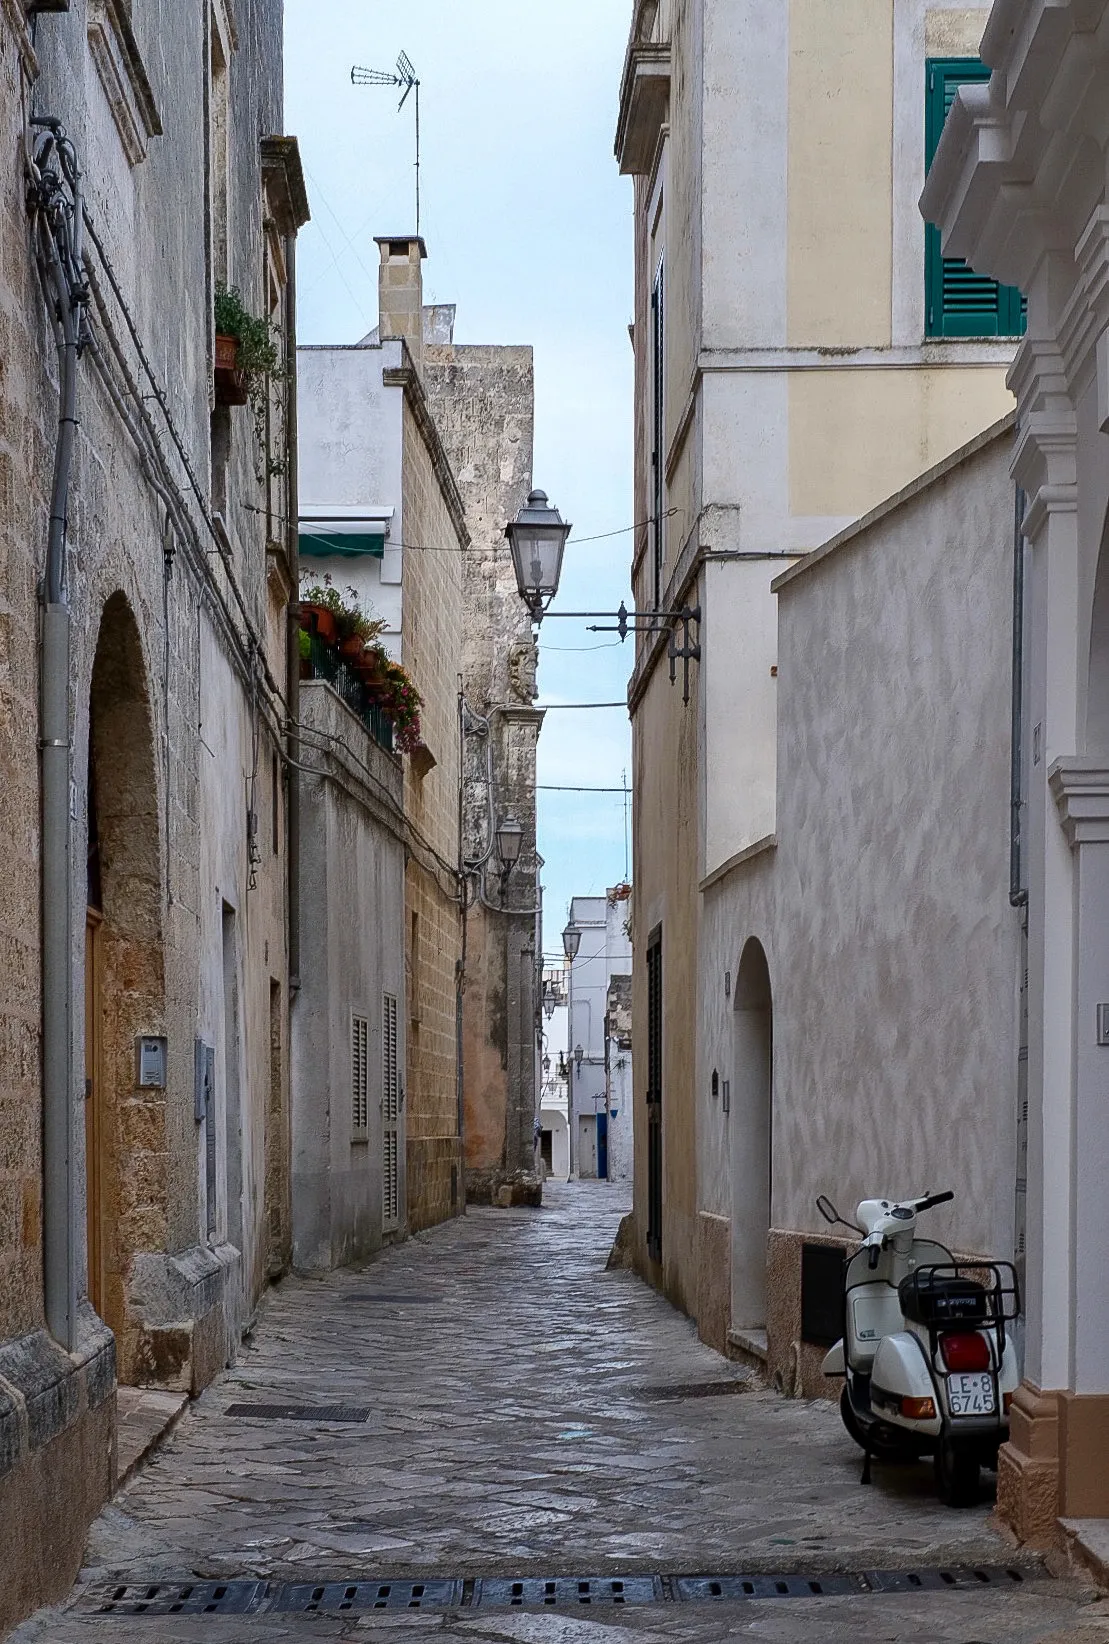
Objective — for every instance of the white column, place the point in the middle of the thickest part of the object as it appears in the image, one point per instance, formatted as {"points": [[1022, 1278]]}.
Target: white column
{"points": [[1081, 790]]}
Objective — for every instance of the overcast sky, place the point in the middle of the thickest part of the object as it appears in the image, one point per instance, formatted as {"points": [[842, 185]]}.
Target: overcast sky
{"points": [[528, 228]]}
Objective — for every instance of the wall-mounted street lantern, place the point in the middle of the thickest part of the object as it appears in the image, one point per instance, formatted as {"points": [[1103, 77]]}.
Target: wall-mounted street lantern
{"points": [[546, 1064], [571, 942], [510, 839], [578, 1054], [537, 538]]}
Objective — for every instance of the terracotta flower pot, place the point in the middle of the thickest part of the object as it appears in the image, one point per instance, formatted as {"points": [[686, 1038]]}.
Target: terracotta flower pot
{"points": [[351, 650], [230, 381], [323, 620]]}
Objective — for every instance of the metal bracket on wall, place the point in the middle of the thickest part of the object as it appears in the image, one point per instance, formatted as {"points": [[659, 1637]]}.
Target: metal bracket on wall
{"points": [[654, 622]]}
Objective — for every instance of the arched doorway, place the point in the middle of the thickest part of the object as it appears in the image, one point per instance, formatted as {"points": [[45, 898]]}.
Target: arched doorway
{"points": [[125, 1123], [751, 1118]]}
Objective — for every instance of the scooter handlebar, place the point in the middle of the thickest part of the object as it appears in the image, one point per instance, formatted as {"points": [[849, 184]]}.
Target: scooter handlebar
{"points": [[934, 1199], [873, 1256]]}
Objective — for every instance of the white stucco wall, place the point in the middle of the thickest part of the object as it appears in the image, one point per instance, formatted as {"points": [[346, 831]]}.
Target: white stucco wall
{"points": [[350, 448], [883, 911]]}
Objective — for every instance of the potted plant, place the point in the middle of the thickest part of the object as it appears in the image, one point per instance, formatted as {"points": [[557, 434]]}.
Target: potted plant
{"points": [[247, 361], [338, 621]]}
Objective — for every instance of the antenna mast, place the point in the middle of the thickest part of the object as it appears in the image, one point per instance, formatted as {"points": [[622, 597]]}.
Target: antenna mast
{"points": [[407, 78]]}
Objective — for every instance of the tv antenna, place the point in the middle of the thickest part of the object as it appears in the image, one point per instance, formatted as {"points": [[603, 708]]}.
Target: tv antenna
{"points": [[407, 78]]}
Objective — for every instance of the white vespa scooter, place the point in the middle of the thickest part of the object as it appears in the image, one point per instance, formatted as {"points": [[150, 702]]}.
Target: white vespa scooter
{"points": [[927, 1365]]}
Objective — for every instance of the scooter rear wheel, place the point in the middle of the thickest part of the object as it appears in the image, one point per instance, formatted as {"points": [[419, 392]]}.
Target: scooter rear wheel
{"points": [[957, 1470], [881, 1452]]}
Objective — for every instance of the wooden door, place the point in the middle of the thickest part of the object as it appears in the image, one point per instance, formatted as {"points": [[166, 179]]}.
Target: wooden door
{"points": [[94, 1106]]}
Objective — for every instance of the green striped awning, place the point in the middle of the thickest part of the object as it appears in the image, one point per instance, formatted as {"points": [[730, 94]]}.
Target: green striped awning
{"points": [[321, 538]]}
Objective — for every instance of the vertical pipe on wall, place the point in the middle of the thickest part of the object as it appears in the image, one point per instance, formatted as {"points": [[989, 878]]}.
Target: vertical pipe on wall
{"points": [[292, 684], [1018, 895]]}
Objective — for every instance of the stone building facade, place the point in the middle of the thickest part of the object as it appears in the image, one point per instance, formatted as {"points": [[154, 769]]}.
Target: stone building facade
{"points": [[143, 1198], [483, 400]]}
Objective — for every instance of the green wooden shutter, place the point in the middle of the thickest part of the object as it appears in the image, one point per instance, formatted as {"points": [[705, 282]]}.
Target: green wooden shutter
{"points": [[959, 302]]}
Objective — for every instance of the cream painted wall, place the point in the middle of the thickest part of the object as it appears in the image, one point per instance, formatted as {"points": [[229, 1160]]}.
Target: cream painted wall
{"points": [[857, 436], [840, 172]]}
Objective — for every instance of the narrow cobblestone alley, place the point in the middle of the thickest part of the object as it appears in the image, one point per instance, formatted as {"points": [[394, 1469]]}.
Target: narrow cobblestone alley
{"points": [[514, 1411]]}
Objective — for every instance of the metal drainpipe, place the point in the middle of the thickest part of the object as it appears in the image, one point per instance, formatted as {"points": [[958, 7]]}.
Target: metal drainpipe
{"points": [[1018, 895], [292, 683], [55, 669]]}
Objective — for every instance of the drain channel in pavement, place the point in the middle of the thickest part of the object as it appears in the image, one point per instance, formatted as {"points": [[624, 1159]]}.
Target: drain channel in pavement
{"points": [[351, 1414], [159, 1598]]}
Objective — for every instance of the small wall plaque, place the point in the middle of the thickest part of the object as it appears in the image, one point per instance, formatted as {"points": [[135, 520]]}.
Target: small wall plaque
{"points": [[151, 1062], [726, 1096], [1103, 1024]]}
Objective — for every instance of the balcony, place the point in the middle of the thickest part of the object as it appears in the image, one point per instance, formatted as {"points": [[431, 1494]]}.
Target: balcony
{"points": [[325, 662]]}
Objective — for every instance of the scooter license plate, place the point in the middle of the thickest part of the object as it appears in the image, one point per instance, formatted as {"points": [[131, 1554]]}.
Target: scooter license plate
{"points": [[971, 1395]]}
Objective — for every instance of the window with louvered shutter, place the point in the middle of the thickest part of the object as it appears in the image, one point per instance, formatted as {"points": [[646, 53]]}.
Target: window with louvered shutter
{"points": [[959, 302], [359, 1077], [390, 1114], [654, 1095], [658, 433]]}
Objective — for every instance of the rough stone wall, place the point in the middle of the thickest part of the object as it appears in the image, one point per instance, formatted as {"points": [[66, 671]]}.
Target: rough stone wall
{"points": [[483, 398], [430, 639], [175, 744]]}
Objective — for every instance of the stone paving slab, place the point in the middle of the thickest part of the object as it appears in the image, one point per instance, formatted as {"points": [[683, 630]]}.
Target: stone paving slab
{"points": [[515, 1430]]}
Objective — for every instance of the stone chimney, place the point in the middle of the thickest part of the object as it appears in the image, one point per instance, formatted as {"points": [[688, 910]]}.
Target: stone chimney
{"points": [[401, 292]]}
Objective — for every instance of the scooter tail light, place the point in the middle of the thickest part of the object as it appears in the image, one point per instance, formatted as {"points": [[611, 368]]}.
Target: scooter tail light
{"points": [[918, 1409], [965, 1350]]}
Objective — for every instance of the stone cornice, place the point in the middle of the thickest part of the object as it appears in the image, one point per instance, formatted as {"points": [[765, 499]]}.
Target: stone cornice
{"points": [[283, 177], [1081, 790], [407, 377], [644, 105]]}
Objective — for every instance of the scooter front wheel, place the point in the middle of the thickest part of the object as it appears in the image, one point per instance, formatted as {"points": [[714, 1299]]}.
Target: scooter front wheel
{"points": [[956, 1469]]}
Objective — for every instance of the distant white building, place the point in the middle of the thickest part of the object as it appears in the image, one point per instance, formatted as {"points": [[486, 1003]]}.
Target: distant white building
{"points": [[600, 1118], [554, 1129]]}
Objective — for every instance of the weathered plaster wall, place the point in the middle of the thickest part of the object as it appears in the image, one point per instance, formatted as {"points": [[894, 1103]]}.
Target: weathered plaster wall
{"points": [[352, 944], [883, 912], [140, 695]]}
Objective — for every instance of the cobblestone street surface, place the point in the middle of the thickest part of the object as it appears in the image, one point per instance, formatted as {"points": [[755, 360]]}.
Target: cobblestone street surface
{"points": [[514, 1411]]}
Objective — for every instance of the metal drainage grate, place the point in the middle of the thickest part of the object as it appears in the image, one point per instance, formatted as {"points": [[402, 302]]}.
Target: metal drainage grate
{"points": [[691, 1390], [338, 1597], [350, 1413], [568, 1592], [181, 1598], [958, 1577], [699, 1589]]}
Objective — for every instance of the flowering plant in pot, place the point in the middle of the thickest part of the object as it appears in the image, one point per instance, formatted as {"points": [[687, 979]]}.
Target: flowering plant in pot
{"points": [[339, 621], [399, 700]]}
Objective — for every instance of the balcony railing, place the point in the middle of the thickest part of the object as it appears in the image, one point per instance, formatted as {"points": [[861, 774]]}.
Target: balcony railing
{"points": [[325, 662]]}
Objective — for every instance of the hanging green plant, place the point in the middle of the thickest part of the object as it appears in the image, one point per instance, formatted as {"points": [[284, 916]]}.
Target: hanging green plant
{"points": [[255, 368]]}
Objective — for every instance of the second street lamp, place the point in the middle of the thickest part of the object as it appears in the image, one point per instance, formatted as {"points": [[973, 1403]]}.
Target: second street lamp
{"points": [[537, 538]]}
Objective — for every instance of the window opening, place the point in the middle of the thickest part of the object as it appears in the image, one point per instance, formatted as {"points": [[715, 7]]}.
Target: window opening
{"points": [[658, 424], [359, 1077], [959, 302], [654, 1096]]}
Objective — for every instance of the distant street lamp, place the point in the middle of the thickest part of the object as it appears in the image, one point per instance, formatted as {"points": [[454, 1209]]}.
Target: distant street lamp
{"points": [[537, 538], [571, 942], [510, 839]]}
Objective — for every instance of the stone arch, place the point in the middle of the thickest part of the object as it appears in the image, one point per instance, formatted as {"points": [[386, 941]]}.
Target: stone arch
{"points": [[126, 1133], [751, 1118]]}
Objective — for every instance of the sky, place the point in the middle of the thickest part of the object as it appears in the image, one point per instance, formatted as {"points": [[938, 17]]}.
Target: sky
{"points": [[529, 231]]}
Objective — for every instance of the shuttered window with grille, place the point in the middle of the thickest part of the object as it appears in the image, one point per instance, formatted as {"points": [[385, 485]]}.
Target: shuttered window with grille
{"points": [[654, 1096], [359, 1077], [959, 302], [390, 1114]]}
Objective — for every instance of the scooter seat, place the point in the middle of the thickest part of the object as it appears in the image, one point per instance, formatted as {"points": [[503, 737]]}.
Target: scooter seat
{"points": [[931, 1298]]}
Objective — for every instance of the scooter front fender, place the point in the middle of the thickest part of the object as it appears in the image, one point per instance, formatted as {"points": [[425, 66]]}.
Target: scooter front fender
{"points": [[834, 1362], [902, 1372]]}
